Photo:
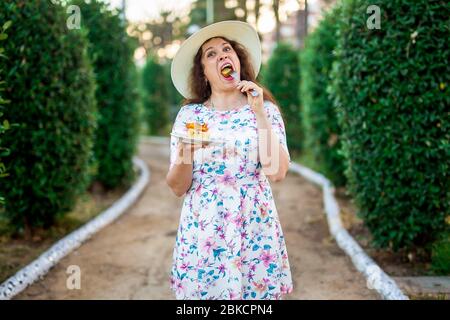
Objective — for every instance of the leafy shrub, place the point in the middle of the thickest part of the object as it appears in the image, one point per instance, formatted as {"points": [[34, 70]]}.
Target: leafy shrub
{"points": [[156, 96], [4, 125], [440, 255], [282, 77], [49, 83], [322, 133], [175, 98], [111, 51], [391, 91]]}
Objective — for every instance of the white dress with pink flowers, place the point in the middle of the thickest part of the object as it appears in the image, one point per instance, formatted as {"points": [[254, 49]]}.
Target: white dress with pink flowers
{"points": [[229, 244]]}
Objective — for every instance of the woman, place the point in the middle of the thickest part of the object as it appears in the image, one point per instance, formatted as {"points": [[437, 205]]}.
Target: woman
{"points": [[229, 243]]}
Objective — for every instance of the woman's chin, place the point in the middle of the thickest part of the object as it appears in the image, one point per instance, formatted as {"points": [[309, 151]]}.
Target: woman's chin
{"points": [[227, 79]]}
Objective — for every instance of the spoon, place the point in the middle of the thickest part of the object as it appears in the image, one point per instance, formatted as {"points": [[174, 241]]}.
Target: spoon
{"points": [[227, 71]]}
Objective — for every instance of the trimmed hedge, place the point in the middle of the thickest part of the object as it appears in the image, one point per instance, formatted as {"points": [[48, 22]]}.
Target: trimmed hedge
{"points": [[4, 125], [391, 91], [282, 77], [111, 51], [49, 83], [322, 133], [156, 98], [175, 98], [440, 255]]}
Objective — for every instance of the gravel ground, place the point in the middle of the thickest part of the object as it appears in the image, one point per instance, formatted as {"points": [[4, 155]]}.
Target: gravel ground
{"points": [[131, 258]]}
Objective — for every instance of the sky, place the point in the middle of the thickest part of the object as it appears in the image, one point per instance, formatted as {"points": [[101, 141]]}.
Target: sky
{"points": [[139, 10]]}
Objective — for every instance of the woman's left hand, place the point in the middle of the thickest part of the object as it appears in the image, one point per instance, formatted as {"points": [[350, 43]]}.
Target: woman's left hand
{"points": [[256, 103]]}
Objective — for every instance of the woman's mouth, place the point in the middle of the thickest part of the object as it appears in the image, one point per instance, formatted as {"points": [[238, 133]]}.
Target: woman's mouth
{"points": [[226, 72]]}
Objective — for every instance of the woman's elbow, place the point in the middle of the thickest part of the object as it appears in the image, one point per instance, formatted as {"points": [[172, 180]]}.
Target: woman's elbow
{"points": [[283, 168], [177, 190], [179, 193], [279, 176]]}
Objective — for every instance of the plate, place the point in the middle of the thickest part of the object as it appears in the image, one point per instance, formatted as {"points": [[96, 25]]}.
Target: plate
{"points": [[186, 139]]}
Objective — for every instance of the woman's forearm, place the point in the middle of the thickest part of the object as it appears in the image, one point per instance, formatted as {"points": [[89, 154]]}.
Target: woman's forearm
{"points": [[274, 159], [179, 177]]}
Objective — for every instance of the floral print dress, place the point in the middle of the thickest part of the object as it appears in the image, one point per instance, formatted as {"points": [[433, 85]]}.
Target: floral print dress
{"points": [[229, 243]]}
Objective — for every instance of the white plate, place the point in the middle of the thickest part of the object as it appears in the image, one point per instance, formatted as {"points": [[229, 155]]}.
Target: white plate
{"points": [[186, 139]]}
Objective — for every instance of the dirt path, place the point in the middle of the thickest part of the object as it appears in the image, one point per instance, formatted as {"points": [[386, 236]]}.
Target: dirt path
{"points": [[131, 258]]}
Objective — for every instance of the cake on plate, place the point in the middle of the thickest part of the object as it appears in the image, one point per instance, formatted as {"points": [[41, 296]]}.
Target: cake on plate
{"points": [[197, 130]]}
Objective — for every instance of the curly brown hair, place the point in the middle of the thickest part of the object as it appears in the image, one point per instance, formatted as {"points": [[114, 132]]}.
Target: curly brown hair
{"points": [[201, 89]]}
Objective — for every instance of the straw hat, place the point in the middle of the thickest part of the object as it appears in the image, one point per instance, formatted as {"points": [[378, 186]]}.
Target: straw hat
{"points": [[238, 31]]}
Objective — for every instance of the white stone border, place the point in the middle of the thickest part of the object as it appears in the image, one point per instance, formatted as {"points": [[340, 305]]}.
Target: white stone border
{"points": [[155, 140], [39, 267], [376, 278]]}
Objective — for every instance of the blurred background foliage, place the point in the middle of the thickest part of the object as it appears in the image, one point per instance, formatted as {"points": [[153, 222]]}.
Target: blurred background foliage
{"points": [[111, 52], [52, 101], [321, 129], [4, 123], [282, 77]]}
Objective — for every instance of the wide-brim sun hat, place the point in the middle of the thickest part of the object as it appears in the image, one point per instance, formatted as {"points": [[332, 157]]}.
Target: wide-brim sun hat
{"points": [[238, 31]]}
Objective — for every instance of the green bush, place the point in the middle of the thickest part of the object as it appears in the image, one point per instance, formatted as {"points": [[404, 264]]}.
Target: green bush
{"points": [[175, 98], [4, 125], [322, 133], [260, 77], [391, 91], [282, 77], [111, 51], [156, 96], [49, 83], [440, 255]]}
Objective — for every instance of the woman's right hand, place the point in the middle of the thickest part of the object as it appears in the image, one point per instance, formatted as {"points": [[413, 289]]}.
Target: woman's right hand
{"points": [[186, 151], [179, 177]]}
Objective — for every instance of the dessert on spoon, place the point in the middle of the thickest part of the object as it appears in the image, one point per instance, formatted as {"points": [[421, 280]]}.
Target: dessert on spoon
{"points": [[228, 71]]}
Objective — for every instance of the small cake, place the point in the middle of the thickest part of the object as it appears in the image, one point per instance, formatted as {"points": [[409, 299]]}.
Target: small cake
{"points": [[226, 72], [197, 130]]}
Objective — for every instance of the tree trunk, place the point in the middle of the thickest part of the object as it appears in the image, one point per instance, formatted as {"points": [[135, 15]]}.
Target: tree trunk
{"points": [[306, 19], [301, 28], [243, 6], [257, 7], [276, 6]]}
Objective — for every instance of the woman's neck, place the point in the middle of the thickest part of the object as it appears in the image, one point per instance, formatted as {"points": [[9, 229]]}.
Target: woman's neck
{"points": [[226, 100]]}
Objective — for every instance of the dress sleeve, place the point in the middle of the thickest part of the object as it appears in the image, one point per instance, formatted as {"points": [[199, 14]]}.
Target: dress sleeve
{"points": [[178, 126], [274, 115]]}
